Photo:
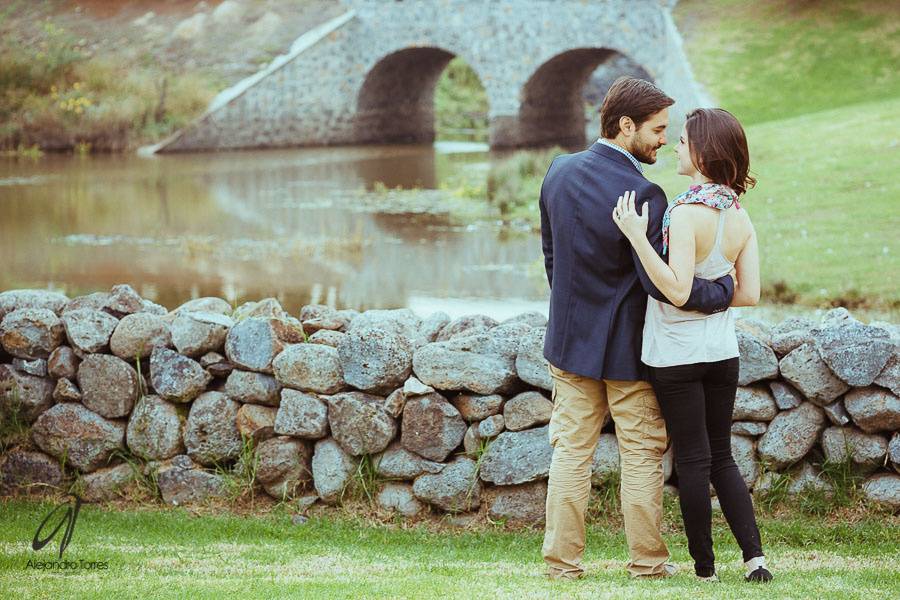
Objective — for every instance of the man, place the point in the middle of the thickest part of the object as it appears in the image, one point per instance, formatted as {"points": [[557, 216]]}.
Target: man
{"points": [[598, 296]]}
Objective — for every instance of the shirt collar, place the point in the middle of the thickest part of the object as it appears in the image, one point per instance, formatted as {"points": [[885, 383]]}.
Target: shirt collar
{"points": [[627, 154]]}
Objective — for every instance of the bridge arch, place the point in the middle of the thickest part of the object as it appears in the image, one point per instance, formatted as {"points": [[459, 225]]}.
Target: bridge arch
{"points": [[552, 105], [395, 103]]}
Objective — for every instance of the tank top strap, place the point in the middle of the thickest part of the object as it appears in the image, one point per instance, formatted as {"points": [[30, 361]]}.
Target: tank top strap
{"points": [[720, 230]]}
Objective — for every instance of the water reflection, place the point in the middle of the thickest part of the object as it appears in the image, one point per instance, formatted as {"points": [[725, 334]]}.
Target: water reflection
{"points": [[293, 224]]}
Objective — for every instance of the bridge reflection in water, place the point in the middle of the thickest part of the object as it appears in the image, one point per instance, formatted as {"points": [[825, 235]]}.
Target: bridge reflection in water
{"points": [[293, 224]]}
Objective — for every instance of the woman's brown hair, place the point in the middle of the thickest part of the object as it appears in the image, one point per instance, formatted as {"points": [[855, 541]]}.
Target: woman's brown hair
{"points": [[719, 148]]}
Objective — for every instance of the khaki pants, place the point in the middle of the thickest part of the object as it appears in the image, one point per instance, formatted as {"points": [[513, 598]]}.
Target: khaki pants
{"points": [[580, 405]]}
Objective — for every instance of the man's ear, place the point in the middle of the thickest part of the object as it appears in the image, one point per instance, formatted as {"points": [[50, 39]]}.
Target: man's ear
{"points": [[627, 126]]}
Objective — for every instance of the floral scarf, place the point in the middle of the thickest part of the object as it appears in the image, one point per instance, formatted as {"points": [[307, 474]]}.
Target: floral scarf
{"points": [[714, 195]]}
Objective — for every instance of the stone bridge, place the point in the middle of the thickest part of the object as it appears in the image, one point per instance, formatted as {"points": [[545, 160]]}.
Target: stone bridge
{"points": [[369, 75]]}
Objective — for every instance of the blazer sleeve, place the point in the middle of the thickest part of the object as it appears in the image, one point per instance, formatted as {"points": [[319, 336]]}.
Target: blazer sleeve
{"points": [[706, 296], [546, 233]]}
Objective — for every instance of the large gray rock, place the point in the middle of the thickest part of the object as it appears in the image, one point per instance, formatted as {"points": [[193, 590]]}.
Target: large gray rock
{"points": [[89, 329], [883, 488], [531, 318], [465, 324], [31, 333], [856, 353], [867, 451], [196, 333], [175, 377], [310, 368], [786, 397], [758, 361], [521, 503], [137, 334], [63, 363], [253, 343], [606, 459], [375, 360], [253, 387], [754, 404], [27, 471], [211, 435], [332, 469], [527, 410], [473, 407], [108, 483], [890, 375], [301, 415], [155, 429], [359, 423], [109, 385], [873, 409], [256, 421], [318, 317], [805, 370], [11, 300], [181, 481], [531, 366], [455, 489], [284, 466], [86, 439], [401, 321], [790, 334], [123, 299], [837, 413], [791, 435], [23, 396], [399, 497], [396, 462], [209, 304], [430, 328], [94, 301], [804, 477], [518, 457], [757, 328], [894, 451], [743, 449], [431, 427], [484, 363], [36, 367], [491, 427], [749, 428], [326, 337], [66, 391]]}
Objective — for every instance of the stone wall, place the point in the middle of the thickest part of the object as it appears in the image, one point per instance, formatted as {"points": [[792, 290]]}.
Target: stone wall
{"points": [[450, 414]]}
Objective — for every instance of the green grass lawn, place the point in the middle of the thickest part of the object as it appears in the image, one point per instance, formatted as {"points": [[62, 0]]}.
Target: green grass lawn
{"points": [[171, 553], [766, 60]]}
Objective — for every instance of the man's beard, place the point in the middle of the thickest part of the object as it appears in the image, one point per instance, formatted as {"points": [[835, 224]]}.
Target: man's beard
{"points": [[644, 153]]}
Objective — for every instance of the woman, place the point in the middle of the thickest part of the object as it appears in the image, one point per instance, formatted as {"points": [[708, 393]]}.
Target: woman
{"points": [[693, 357]]}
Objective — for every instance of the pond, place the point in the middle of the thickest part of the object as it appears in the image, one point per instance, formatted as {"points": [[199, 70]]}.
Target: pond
{"points": [[309, 225]]}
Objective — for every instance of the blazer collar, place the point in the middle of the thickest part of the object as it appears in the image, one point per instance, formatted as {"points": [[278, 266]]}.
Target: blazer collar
{"points": [[615, 155]]}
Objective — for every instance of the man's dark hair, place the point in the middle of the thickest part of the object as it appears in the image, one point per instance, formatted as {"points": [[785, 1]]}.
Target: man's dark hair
{"points": [[630, 97]]}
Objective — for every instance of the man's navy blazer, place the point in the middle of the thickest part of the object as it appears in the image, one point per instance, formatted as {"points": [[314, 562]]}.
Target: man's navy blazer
{"points": [[598, 288]]}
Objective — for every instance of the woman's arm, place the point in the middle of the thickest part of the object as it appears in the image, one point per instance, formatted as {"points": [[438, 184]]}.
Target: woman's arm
{"points": [[746, 290], [676, 278]]}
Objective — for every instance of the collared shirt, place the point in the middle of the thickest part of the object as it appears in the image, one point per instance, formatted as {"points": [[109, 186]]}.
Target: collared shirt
{"points": [[627, 154]]}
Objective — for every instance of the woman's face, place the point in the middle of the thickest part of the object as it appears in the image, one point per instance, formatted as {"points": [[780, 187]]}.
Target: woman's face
{"points": [[683, 150]]}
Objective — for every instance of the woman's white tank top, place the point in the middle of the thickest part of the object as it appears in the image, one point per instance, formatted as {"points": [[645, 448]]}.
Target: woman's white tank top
{"points": [[673, 336]]}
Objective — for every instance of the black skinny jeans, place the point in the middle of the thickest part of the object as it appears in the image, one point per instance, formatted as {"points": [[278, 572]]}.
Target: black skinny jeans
{"points": [[696, 402]]}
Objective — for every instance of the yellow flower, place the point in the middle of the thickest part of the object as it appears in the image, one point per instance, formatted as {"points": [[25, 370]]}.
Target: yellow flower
{"points": [[77, 85], [62, 104]]}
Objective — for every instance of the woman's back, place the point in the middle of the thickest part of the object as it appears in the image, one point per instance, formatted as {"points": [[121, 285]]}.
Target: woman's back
{"points": [[673, 336]]}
